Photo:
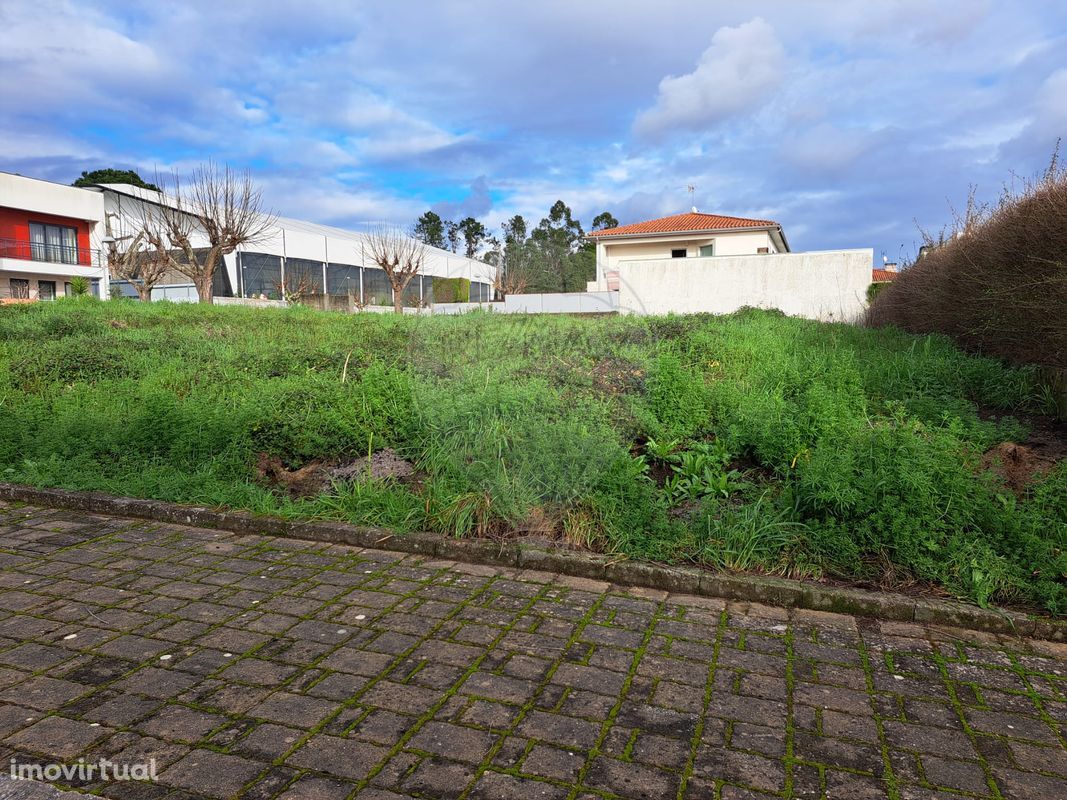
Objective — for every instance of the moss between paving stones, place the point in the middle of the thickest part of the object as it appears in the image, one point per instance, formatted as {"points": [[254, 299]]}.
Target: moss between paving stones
{"points": [[686, 580]]}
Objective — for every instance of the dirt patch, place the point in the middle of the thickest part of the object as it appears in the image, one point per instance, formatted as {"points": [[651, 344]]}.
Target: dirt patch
{"points": [[383, 465], [1022, 463], [306, 481], [317, 476], [617, 376], [1018, 464]]}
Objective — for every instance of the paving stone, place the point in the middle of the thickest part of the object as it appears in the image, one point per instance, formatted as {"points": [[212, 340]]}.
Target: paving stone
{"points": [[1028, 785], [181, 724], [58, 736], [555, 763], [453, 741], [558, 729], [43, 693], [631, 780], [293, 709], [963, 776], [332, 755], [211, 774], [440, 778], [352, 652]]}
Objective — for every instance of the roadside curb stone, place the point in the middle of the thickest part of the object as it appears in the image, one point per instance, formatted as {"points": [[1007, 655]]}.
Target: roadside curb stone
{"points": [[521, 555]]}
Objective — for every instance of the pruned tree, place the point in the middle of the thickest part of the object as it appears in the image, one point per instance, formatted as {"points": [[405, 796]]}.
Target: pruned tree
{"points": [[222, 206], [131, 257], [399, 256], [133, 262]]}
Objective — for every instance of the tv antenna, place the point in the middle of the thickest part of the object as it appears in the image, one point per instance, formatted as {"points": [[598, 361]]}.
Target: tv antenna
{"points": [[691, 189]]}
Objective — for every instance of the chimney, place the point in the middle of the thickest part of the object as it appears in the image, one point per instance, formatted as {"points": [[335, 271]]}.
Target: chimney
{"points": [[890, 266]]}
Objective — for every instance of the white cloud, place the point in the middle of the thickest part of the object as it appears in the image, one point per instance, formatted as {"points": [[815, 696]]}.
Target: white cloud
{"points": [[737, 72], [826, 148], [1052, 105]]}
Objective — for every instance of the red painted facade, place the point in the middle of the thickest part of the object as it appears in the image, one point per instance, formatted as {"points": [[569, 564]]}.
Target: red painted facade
{"points": [[15, 230]]}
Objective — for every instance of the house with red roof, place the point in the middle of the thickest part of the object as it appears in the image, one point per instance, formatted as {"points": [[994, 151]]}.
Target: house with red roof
{"points": [[691, 235], [886, 275]]}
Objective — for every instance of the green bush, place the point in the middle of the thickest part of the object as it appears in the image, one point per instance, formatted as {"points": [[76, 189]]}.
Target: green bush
{"points": [[451, 290]]}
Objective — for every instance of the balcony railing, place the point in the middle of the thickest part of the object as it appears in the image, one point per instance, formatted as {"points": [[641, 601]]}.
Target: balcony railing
{"points": [[51, 253]]}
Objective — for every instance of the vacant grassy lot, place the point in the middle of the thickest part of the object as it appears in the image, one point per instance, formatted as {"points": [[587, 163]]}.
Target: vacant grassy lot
{"points": [[751, 442]]}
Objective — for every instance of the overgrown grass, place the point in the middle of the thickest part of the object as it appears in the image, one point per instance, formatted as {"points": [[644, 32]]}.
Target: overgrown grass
{"points": [[777, 444]]}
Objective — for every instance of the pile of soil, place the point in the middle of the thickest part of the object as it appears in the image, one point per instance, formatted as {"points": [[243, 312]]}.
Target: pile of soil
{"points": [[317, 476], [1020, 464]]}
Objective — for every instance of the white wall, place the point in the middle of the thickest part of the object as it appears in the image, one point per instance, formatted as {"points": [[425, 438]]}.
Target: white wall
{"points": [[826, 285], [44, 197], [561, 303], [548, 303]]}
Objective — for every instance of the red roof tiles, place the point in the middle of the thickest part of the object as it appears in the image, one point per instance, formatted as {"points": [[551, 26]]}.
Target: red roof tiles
{"points": [[883, 275], [693, 221]]}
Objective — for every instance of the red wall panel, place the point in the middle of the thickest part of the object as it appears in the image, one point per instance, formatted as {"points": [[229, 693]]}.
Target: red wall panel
{"points": [[15, 224]]}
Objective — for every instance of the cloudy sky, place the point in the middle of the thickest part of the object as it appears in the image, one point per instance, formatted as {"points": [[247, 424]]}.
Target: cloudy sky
{"points": [[846, 121]]}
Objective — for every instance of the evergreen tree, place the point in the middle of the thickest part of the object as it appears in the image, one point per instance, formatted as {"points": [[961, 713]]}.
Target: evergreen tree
{"points": [[112, 175], [474, 234], [430, 229]]}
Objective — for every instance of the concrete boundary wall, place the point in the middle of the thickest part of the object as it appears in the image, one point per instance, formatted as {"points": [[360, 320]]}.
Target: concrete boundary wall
{"points": [[826, 285], [551, 303], [254, 302]]}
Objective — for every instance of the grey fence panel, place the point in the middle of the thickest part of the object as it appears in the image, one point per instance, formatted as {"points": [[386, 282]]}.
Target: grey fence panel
{"points": [[305, 275], [342, 280], [376, 288], [261, 274]]}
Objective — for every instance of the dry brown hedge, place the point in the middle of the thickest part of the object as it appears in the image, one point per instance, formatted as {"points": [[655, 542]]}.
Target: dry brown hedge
{"points": [[996, 280]]}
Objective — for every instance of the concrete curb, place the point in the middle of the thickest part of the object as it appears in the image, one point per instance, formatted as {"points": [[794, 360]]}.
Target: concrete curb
{"points": [[685, 580]]}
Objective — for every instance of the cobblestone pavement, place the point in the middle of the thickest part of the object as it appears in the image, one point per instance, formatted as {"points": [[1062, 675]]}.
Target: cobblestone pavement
{"points": [[261, 668]]}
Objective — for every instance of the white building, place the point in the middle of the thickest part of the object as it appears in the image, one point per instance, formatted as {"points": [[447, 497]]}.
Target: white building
{"points": [[709, 263], [330, 261], [691, 235], [50, 232], [49, 235]]}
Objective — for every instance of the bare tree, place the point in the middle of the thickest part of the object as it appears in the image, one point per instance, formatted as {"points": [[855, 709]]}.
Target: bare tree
{"points": [[133, 262], [224, 207], [131, 256], [399, 256]]}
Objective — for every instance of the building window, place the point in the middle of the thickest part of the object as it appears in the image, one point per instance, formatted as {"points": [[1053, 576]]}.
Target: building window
{"points": [[46, 290], [678, 253], [20, 288], [55, 243], [763, 250], [707, 250]]}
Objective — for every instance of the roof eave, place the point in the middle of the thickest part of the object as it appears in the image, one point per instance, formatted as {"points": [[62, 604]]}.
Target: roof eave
{"points": [[598, 236]]}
